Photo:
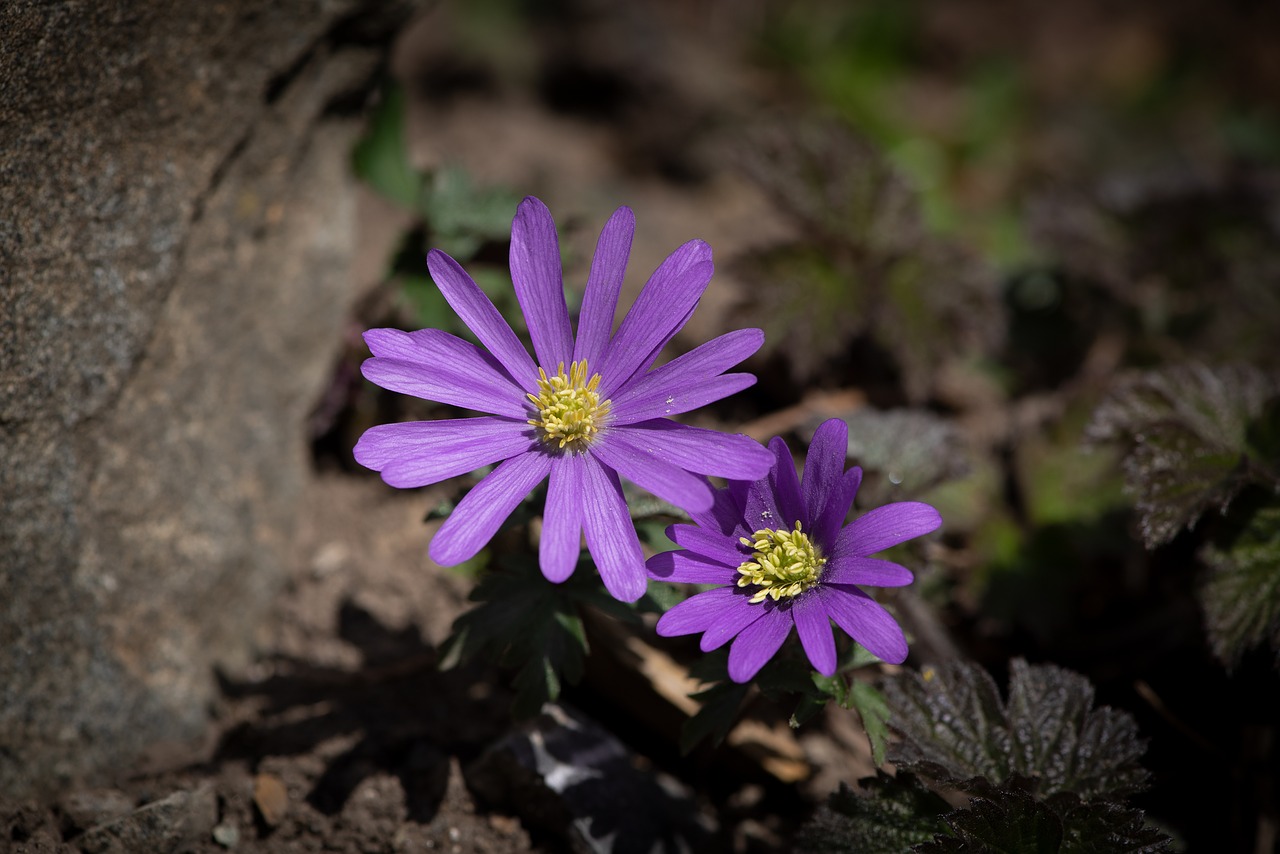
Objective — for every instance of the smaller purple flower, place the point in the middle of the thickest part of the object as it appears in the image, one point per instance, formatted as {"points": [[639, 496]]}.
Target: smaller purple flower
{"points": [[781, 550]]}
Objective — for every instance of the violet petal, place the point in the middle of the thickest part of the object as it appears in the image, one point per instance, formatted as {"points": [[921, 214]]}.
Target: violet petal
{"points": [[669, 482], [483, 510], [468, 382], [539, 283], [604, 283], [696, 449], [709, 544], [827, 497], [682, 567], [867, 571], [758, 643], [611, 536], [561, 540], [885, 527], [814, 628], [665, 302], [866, 621], [420, 453], [479, 314]]}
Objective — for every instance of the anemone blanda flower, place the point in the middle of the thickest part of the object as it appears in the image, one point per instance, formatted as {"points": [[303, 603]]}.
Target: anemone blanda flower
{"points": [[779, 548], [590, 409]]}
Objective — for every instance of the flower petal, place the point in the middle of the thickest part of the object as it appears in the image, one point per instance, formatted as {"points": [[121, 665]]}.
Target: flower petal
{"points": [[479, 314], [682, 398], [738, 612], [697, 613], [709, 544], [665, 480], [814, 628], [699, 450], [757, 643], [561, 540], [663, 306], [866, 621], [868, 571], [683, 567], [725, 514], [670, 389], [774, 500], [827, 496], [884, 527], [600, 301], [418, 453], [471, 381], [539, 283], [611, 537], [483, 510]]}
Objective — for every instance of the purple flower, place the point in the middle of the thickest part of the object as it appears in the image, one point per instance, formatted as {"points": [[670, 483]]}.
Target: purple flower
{"points": [[586, 412], [779, 549]]}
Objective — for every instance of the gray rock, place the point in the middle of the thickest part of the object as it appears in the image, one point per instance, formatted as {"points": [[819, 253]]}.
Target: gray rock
{"points": [[169, 824], [176, 217], [567, 775]]}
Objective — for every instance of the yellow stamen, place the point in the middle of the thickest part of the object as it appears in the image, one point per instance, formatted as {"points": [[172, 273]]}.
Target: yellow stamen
{"points": [[784, 564], [570, 411]]}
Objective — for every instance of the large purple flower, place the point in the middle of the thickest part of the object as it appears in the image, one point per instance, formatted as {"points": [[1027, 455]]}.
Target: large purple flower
{"points": [[586, 412], [779, 548]]}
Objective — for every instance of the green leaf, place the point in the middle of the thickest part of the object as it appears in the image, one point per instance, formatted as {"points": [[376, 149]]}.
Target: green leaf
{"points": [[522, 621], [716, 716], [892, 815], [956, 729], [870, 705], [1188, 429], [1012, 823], [462, 217], [381, 157], [1241, 597]]}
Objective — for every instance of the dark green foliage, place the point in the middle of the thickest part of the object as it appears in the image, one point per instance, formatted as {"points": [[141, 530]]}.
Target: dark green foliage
{"points": [[1241, 597], [903, 452], [1191, 432], [867, 267], [957, 730], [716, 717], [893, 814], [521, 621], [1047, 773], [1012, 821], [381, 157], [454, 215]]}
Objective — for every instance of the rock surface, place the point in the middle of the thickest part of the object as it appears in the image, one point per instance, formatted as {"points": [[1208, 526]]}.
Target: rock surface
{"points": [[176, 220]]}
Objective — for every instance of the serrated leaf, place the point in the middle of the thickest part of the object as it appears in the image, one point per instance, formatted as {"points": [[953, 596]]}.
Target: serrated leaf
{"points": [[1012, 823], [1188, 428], [522, 621], [1097, 826], [1241, 597], [912, 448], [956, 729], [381, 157], [893, 814], [866, 266]]}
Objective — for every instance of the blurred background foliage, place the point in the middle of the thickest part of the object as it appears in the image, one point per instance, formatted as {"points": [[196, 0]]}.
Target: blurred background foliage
{"points": [[1042, 243]]}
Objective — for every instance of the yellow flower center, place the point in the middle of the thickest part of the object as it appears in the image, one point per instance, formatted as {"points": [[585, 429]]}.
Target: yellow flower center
{"points": [[784, 563], [570, 411]]}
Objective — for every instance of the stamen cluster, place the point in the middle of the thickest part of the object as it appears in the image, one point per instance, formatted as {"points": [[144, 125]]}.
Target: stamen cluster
{"points": [[569, 407], [784, 564]]}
